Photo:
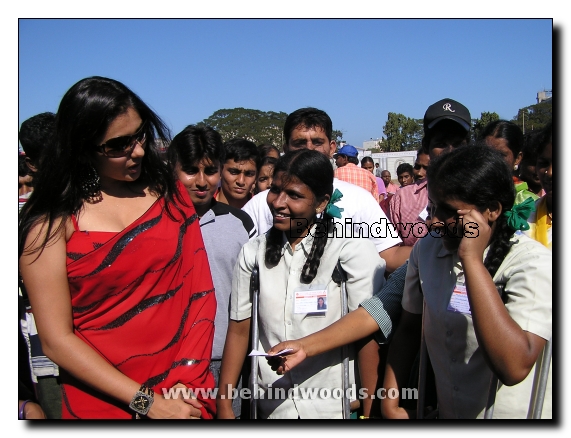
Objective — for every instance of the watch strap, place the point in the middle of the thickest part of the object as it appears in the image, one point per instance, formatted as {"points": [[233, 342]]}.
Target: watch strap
{"points": [[146, 393]]}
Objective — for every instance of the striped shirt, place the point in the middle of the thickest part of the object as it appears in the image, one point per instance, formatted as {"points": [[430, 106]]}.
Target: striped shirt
{"points": [[407, 211], [385, 304], [353, 174]]}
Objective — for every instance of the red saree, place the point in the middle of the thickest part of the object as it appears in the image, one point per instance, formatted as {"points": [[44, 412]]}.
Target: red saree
{"points": [[144, 300]]}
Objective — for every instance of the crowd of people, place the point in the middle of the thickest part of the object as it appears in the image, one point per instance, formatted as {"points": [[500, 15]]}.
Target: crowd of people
{"points": [[331, 273]]}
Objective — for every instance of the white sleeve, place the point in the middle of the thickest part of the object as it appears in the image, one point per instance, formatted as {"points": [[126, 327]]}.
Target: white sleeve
{"points": [[365, 212], [257, 208], [527, 274], [240, 299]]}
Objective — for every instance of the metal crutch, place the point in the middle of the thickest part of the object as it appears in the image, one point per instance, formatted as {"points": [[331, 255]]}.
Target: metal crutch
{"points": [[492, 391], [345, 349], [537, 391], [540, 383], [255, 291]]}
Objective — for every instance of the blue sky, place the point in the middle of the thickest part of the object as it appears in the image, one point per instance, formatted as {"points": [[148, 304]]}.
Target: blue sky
{"points": [[357, 70]]}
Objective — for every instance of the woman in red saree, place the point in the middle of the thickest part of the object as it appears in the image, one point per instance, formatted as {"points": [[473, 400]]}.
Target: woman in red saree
{"points": [[114, 264]]}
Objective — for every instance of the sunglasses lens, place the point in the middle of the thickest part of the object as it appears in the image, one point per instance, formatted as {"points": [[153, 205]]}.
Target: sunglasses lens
{"points": [[121, 146], [117, 147]]}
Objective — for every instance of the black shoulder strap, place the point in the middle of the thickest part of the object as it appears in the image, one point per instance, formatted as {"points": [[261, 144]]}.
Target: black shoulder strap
{"points": [[255, 280]]}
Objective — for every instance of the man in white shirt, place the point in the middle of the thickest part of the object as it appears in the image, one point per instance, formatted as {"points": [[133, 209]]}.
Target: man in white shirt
{"points": [[311, 128]]}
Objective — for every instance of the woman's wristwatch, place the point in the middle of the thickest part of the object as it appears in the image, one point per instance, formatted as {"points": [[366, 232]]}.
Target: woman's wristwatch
{"points": [[142, 400]]}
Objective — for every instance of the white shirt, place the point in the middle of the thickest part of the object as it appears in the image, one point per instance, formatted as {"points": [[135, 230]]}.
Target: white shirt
{"points": [[278, 322], [365, 215]]}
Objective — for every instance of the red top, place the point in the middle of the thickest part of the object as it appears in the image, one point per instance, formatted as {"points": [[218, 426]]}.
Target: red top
{"points": [[144, 300]]}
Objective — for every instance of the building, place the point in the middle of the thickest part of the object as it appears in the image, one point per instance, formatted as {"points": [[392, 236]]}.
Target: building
{"points": [[373, 143], [390, 160], [543, 95]]}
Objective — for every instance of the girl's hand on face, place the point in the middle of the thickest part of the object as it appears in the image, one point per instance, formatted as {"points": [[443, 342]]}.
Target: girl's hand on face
{"points": [[476, 237]]}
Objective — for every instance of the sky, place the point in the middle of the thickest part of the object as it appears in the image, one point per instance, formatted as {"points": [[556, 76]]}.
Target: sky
{"points": [[357, 70], [343, 58]]}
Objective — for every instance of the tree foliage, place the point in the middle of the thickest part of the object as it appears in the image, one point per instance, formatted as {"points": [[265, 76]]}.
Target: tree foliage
{"points": [[257, 126], [402, 133], [260, 127], [534, 117], [478, 125], [337, 135]]}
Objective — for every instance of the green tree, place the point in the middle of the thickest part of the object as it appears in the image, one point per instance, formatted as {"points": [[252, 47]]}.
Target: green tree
{"points": [[251, 124], [337, 135], [534, 117], [479, 124], [402, 133]]}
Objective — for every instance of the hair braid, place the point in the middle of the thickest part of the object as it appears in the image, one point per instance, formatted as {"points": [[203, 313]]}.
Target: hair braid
{"points": [[273, 247], [500, 245], [322, 229]]}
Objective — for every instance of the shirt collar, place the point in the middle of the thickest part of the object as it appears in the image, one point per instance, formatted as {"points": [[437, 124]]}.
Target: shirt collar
{"points": [[305, 244], [209, 216], [420, 185]]}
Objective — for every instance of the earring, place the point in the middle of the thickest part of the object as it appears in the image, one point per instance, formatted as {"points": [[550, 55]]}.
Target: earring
{"points": [[91, 186], [516, 167]]}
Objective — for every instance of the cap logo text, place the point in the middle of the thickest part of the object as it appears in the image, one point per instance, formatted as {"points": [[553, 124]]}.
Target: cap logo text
{"points": [[447, 107]]}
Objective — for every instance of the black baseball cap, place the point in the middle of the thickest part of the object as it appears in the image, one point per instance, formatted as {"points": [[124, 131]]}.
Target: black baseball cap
{"points": [[447, 109]]}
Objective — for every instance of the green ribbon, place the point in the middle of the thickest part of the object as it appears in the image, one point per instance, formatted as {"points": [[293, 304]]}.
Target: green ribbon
{"points": [[517, 216], [333, 210]]}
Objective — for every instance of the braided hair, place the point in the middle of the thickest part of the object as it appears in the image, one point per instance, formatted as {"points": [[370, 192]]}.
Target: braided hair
{"points": [[315, 171], [478, 175]]}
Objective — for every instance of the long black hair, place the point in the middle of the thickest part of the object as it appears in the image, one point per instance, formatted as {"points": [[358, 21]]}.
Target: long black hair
{"points": [[314, 170], [477, 175], [84, 115]]}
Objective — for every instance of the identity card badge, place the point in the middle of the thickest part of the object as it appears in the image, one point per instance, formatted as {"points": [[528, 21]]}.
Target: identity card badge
{"points": [[310, 300], [459, 300]]}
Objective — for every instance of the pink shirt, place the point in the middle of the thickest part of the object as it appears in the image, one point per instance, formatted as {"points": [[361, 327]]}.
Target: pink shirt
{"points": [[407, 211], [391, 188]]}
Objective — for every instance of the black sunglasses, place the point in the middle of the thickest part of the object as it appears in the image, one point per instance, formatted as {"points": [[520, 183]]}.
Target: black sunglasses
{"points": [[122, 146]]}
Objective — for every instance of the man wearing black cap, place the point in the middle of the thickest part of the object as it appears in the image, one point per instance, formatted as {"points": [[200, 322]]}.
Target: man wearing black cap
{"points": [[348, 170], [446, 126]]}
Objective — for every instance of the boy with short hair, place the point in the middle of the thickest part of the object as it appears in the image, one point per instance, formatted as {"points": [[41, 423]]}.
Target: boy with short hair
{"points": [[238, 172], [405, 174]]}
